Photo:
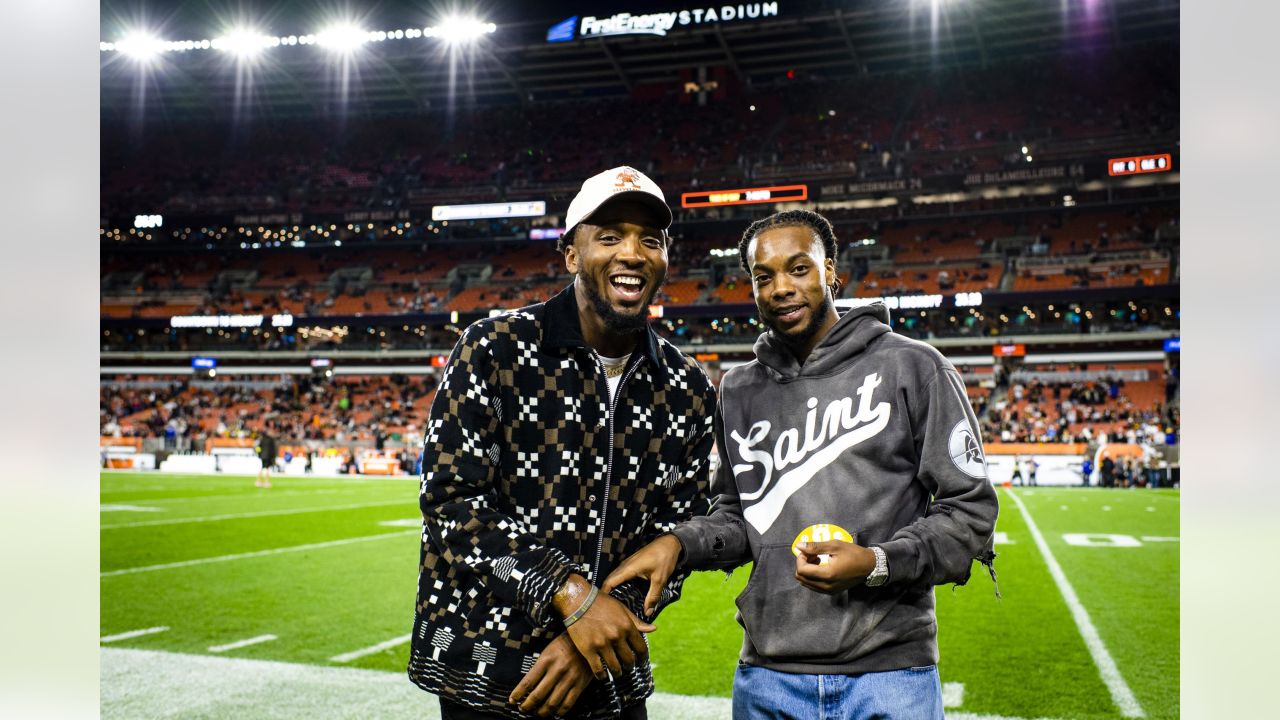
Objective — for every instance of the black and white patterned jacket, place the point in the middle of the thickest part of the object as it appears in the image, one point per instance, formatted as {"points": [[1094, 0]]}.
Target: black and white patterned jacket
{"points": [[528, 476]]}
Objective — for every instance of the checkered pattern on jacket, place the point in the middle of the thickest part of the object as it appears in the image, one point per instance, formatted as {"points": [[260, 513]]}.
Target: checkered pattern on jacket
{"points": [[514, 495]]}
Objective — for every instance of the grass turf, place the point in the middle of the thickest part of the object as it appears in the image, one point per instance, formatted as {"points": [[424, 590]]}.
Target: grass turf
{"points": [[1021, 656]]}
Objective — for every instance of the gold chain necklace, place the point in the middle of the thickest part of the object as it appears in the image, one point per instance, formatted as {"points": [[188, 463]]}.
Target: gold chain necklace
{"points": [[611, 370]]}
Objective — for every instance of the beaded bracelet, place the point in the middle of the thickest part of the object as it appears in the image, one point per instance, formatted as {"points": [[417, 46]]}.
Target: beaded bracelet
{"points": [[583, 608]]}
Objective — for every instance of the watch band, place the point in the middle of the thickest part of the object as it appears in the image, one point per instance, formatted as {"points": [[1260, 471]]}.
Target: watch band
{"points": [[880, 574]]}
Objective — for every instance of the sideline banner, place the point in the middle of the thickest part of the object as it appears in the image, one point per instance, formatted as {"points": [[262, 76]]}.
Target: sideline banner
{"points": [[1057, 470]]}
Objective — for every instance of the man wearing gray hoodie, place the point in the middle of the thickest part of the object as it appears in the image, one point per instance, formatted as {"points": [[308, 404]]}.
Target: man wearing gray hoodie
{"points": [[852, 475]]}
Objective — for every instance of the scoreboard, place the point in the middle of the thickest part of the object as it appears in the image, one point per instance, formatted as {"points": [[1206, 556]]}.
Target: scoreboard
{"points": [[744, 196], [1140, 164]]}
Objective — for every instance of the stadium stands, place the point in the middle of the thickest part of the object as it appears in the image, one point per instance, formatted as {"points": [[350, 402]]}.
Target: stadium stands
{"points": [[913, 257], [1043, 403], [920, 125], [350, 409], [1126, 402], [985, 179]]}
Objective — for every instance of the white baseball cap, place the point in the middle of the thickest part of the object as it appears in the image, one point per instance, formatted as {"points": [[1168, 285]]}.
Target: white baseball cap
{"points": [[619, 182]]}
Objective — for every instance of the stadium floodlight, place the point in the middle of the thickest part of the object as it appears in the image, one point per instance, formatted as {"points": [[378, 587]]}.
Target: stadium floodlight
{"points": [[244, 43], [456, 30], [343, 38], [141, 46]]}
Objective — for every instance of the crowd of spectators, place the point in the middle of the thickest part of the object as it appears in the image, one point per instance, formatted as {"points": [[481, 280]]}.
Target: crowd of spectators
{"points": [[374, 409], [349, 410], [1132, 472], [1084, 410]]}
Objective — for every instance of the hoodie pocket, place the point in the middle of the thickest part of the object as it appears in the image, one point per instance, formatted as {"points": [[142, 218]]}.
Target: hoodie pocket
{"points": [[784, 620]]}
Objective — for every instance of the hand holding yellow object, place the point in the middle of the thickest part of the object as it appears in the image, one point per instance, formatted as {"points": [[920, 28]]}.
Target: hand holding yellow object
{"points": [[820, 532]]}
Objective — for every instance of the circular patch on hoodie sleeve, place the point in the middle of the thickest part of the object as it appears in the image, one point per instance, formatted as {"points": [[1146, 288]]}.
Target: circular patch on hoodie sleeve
{"points": [[966, 451]]}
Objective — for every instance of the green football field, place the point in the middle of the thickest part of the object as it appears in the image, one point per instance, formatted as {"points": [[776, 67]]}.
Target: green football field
{"points": [[321, 573]]}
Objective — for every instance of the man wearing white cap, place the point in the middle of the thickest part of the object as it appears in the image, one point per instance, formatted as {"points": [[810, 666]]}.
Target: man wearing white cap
{"points": [[564, 436]]}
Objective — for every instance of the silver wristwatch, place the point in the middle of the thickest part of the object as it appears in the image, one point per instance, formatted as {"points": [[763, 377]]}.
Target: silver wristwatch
{"points": [[880, 574]]}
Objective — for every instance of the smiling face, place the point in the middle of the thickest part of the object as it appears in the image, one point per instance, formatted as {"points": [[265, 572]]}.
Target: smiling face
{"points": [[620, 258], [792, 277]]}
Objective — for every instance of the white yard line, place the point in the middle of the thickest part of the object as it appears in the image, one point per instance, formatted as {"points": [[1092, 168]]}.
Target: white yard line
{"points": [[1121, 695], [1154, 538], [242, 643], [132, 634], [260, 513], [372, 649], [407, 522], [952, 694], [976, 716], [116, 507], [275, 492], [147, 683], [345, 478], [257, 553]]}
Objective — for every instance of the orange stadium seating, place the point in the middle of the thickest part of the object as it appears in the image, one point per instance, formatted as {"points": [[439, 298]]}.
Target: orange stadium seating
{"points": [[399, 405]]}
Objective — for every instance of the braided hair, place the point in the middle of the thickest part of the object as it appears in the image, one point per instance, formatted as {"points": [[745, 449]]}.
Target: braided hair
{"points": [[817, 224]]}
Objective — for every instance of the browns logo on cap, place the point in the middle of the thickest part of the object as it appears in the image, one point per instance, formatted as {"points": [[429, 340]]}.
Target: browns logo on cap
{"points": [[612, 184], [627, 180]]}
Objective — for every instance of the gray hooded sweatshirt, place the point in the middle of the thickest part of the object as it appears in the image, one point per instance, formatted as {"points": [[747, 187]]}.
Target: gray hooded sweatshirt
{"points": [[874, 434]]}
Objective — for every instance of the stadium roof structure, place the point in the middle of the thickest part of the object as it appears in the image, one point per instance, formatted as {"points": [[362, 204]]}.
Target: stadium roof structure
{"points": [[517, 64]]}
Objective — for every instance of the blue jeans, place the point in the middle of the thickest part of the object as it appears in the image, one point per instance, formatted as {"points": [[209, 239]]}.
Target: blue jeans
{"points": [[763, 694]]}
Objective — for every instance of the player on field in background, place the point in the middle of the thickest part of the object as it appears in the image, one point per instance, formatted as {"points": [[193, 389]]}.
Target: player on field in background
{"points": [[852, 475], [266, 448], [563, 437]]}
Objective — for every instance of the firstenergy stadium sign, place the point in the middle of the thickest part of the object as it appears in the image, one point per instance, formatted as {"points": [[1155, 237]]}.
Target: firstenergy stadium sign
{"points": [[656, 23]]}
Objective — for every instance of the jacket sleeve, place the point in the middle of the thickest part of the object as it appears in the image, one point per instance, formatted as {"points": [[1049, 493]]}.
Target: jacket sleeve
{"points": [[687, 498], [717, 541], [460, 465], [958, 525]]}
